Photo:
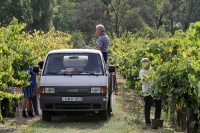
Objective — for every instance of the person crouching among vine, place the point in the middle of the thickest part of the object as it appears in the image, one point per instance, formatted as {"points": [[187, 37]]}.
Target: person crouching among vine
{"points": [[148, 100]]}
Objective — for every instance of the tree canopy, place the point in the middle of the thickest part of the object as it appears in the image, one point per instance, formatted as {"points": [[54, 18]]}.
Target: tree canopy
{"points": [[118, 16]]}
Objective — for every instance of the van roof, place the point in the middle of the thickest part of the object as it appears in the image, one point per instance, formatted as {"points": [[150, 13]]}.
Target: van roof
{"points": [[75, 51]]}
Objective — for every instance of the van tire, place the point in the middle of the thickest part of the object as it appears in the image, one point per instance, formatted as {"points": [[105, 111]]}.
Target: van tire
{"points": [[104, 115], [46, 115]]}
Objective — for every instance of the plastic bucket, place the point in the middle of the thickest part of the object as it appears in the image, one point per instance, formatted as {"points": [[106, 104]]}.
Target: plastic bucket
{"points": [[157, 123]]}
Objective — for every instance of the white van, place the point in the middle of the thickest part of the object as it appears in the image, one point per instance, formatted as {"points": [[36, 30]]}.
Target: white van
{"points": [[76, 80]]}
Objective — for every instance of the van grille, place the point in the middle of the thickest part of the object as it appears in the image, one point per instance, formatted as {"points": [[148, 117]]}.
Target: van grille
{"points": [[72, 93], [49, 106], [96, 106], [72, 106]]}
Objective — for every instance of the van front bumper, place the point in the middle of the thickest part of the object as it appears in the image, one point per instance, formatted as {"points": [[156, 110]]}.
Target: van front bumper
{"points": [[89, 103]]}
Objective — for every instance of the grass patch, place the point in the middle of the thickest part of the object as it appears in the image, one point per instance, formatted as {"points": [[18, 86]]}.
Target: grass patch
{"points": [[119, 122]]}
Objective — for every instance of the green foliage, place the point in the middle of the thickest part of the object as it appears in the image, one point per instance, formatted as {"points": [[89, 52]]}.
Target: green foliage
{"points": [[9, 95], [38, 14], [20, 50], [10, 9], [41, 43], [151, 33], [118, 16], [12, 55], [6, 95], [175, 65], [77, 39], [63, 15]]}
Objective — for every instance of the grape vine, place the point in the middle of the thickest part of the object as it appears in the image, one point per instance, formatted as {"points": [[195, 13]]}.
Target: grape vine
{"points": [[175, 61], [20, 50]]}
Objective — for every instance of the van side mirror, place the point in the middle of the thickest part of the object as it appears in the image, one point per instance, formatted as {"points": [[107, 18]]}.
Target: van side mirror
{"points": [[111, 69]]}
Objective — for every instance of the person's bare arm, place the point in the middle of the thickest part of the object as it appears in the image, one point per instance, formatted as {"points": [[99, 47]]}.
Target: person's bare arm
{"points": [[98, 48]]}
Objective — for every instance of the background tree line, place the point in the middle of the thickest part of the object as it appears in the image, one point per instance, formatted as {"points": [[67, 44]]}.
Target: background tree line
{"points": [[79, 17]]}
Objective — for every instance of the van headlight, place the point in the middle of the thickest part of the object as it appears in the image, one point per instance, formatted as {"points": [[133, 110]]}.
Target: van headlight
{"points": [[49, 90], [99, 90], [96, 90]]}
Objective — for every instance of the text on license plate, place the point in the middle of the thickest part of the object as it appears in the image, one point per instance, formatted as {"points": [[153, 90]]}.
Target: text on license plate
{"points": [[72, 98]]}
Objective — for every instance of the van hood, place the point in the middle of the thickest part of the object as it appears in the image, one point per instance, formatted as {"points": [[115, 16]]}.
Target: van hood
{"points": [[74, 80]]}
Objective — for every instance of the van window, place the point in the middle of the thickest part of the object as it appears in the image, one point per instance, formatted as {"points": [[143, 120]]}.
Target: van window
{"points": [[73, 64]]}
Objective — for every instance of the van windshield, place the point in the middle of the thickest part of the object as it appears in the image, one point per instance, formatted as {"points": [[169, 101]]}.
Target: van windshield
{"points": [[73, 64]]}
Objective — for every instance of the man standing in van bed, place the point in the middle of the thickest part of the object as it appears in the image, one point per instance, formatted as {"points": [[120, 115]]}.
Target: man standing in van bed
{"points": [[28, 93], [102, 42], [148, 100]]}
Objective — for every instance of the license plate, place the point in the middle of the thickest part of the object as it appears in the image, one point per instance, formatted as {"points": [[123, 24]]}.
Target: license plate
{"points": [[72, 98]]}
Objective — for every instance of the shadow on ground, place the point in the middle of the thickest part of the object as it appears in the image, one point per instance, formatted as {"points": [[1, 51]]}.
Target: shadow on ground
{"points": [[78, 118], [73, 121]]}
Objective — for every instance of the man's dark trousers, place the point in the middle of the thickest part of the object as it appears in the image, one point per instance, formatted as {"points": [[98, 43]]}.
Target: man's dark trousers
{"points": [[35, 104], [105, 56], [148, 103]]}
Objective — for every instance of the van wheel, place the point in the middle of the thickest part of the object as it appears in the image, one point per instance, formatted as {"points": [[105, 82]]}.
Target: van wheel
{"points": [[104, 115], [46, 115]]}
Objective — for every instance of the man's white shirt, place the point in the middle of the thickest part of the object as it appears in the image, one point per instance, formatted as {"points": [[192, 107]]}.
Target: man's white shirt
{"points": [[145, 85]]}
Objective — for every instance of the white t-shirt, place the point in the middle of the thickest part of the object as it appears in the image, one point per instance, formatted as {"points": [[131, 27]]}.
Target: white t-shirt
{"points": [[145, 85]]}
